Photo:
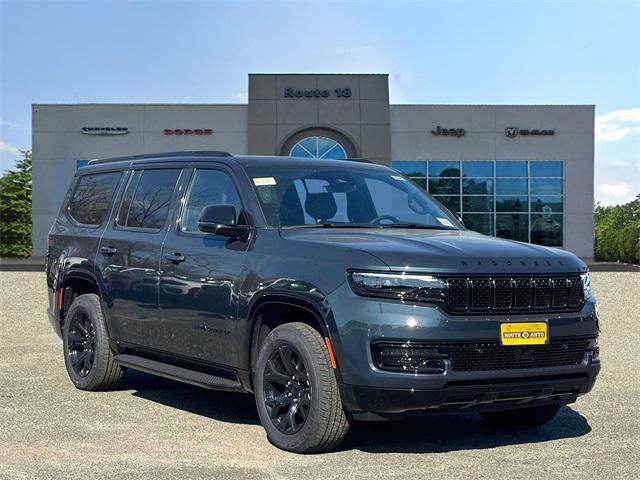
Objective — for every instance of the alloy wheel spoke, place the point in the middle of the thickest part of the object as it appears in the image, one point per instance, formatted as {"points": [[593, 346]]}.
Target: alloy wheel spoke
{"points": [[273, 375], [291, 417], [287, 358]]}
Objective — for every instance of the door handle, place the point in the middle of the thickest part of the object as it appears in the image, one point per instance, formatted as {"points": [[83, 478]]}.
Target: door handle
{"points": [[108, 251], [174, 257]]}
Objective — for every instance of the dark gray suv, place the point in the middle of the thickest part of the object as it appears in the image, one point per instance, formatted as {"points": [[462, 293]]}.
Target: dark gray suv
{"points": [[331, 290]]}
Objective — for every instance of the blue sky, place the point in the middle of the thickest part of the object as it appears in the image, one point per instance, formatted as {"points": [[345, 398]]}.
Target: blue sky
{"points": [[450, 52]]}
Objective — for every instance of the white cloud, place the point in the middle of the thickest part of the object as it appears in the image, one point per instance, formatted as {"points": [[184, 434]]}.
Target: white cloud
{"points": [[618, 124], [617, 190], [6, 124], [241, 97], [9, 148], [625, 163]]}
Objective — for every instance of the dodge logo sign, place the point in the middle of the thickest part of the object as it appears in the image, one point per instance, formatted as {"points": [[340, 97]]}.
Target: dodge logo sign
{"points": [[513, 132], [104, 130], [188, 131]]}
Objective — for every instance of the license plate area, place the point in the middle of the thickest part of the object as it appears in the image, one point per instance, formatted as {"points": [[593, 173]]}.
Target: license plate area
{"points": [[525, 333]]}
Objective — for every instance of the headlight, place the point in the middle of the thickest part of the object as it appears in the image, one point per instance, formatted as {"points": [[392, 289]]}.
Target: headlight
{"points": [[586, 285], [408, 286]]}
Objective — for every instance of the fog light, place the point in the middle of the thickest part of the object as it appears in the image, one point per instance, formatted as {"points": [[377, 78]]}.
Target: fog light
{"points": [[594, 351], [408, 357]]}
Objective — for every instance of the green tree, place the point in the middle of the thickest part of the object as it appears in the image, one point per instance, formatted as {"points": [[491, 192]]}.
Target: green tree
{"points": [[15, 209], [617, 232]]}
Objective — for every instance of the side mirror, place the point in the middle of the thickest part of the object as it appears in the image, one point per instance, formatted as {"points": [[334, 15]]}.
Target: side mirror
{"points": [[221, 220]]}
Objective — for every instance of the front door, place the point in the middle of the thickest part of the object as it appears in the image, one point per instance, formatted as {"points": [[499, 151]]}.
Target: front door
{"points": [[128, 258], [200, 274]]}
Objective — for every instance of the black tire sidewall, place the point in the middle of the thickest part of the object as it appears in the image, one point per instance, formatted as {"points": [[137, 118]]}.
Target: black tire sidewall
{"points": [[92, 309], [290, 336]]}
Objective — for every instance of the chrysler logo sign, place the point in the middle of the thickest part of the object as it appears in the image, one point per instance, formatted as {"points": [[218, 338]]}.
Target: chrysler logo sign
{"points": [[104, 130], [188, 131], [513, 132]]}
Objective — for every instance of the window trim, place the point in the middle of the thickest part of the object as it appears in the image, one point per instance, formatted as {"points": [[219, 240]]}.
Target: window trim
{"points": [[108, 211], [187, 191], [132, 172]]}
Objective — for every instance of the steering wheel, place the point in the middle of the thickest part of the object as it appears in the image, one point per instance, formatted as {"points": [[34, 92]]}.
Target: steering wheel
{"points": [[380, 218]]}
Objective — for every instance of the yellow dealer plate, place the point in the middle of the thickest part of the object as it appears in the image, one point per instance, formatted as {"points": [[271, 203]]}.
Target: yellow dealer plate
{"points": [[530, 333]]}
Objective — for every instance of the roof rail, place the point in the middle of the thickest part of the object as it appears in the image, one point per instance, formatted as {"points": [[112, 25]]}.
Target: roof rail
{"points": [[195, 153]]}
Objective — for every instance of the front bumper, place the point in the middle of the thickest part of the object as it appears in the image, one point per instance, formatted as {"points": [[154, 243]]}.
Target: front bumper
{"points": [[358, 322]]}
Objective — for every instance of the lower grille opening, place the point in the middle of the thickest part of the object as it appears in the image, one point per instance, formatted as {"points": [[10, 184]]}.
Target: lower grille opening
{"points": [[472, 357]]}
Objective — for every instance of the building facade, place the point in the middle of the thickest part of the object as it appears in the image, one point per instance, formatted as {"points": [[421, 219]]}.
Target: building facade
{"points": [[516, 171]]}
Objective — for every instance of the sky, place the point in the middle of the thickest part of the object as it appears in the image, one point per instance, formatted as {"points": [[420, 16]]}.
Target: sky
{"points": [[502, 52]]}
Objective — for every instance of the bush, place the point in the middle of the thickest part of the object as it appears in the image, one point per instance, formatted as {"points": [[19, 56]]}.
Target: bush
{"points": [[617, 232], [15, 209]]}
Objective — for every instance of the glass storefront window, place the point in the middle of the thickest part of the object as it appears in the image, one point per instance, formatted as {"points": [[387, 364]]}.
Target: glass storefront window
{"points": [[477, 203], [514, 226], [505, 186], [439, 168], [444, 186], [517, 199], [479, 222], [318, 147], [512, 203], [477, 186], [545, 168], [546, 186], [511, 168], [475, 168], [546, 229]]}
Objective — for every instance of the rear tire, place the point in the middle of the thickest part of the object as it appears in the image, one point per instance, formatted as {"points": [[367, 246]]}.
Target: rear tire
{"points": [[294, 373], [87, 354], [522, 418]]}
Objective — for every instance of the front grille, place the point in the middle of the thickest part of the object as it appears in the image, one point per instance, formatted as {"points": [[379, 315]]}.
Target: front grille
{"points": [[484, 294], [471, 357]]}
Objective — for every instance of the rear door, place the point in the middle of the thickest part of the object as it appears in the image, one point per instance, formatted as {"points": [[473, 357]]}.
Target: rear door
{"points": [[128, 258], [200, 274]]}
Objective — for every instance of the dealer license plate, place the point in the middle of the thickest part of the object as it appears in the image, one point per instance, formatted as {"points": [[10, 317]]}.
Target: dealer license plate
{"points": [[529, 333]]}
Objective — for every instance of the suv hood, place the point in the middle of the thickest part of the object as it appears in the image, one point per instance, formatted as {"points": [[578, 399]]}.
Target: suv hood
{"points": [[446, 251]]}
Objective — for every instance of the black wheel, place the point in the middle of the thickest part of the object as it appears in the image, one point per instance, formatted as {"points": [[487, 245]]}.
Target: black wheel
{"points": [[522, 418], [87, 355], [296, 391]]}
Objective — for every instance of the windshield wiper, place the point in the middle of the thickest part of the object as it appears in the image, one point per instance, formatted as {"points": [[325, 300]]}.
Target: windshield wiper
{"points": [[416, 226]]}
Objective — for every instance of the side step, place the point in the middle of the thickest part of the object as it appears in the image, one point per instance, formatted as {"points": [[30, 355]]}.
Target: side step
{"points": [[205, 380]]}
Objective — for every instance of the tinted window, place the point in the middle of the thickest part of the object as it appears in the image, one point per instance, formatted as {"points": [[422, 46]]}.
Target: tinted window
{"points": [[149, 206], [546, 169], [208, 187], [511, 169], [477, 169], [92, 196]]}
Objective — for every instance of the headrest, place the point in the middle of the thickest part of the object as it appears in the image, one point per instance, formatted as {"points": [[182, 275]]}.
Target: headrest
{"points": [[320, 206]]}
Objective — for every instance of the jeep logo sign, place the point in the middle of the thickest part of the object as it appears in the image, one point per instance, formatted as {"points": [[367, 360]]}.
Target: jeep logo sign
{"points": [[513, 132], [452, 132]]}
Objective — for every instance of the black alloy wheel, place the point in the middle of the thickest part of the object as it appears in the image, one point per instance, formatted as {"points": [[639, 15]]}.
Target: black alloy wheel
{"points": [[287, 391], [82, 343]]}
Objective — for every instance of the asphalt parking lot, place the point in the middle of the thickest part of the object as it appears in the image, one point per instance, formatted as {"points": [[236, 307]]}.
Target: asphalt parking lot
{"points": [[158, 429]]}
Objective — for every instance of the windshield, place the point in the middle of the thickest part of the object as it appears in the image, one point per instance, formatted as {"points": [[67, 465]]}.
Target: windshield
{"points": [[345, 196]]}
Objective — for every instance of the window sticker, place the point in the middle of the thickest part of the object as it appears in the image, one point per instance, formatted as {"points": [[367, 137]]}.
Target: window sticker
{"points": [[263, 181], [398, 177], [444, 221]]}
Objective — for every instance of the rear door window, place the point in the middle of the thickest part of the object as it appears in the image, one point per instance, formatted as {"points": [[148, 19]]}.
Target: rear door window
{"points": [[92, 196], [148, 199]]}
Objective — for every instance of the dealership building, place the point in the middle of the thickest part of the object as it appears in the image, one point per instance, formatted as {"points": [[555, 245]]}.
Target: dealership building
{"points": [[523, 172]]}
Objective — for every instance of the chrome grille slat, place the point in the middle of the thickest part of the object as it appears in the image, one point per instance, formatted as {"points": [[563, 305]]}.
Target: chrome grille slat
{"points": [[518, 293]]}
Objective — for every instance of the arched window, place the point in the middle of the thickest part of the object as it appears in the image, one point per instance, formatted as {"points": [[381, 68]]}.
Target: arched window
{"points": [[318, 147]]}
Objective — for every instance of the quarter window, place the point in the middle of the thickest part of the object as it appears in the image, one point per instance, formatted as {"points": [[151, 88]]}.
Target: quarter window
{"points": [[149, 206], [90, 202], [208, 187]]}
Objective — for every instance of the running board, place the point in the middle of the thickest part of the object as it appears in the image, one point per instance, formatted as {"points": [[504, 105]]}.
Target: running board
{"points": [[185, 375]]}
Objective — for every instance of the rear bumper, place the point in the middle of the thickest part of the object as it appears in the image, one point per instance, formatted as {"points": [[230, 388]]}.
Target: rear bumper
{"points": [[368, 403]]}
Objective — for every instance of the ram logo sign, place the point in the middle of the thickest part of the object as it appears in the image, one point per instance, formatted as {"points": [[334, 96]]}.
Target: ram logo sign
{"points": [[513, 132]]}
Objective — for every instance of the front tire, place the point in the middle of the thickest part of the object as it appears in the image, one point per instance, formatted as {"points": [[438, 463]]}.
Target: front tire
{"points": [[87, 354], [522, 418], [296, 391]]}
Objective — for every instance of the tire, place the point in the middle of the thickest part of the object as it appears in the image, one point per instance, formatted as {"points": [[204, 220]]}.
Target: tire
{"points": [[87, 356], [522, 418], [321, 421]]}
